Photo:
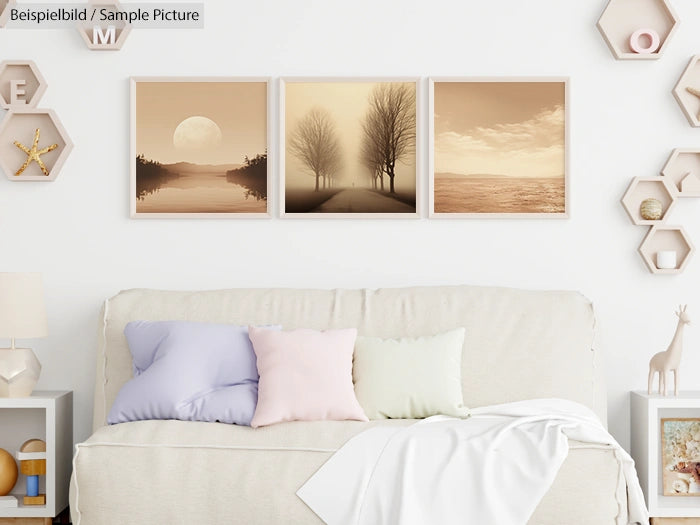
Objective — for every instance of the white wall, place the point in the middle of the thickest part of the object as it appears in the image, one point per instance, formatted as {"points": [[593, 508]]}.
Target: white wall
{"points": [[624, 123]]}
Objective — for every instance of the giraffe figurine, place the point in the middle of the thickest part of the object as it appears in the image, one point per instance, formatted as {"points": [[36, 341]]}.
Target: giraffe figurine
{"points": [[664, 362]]}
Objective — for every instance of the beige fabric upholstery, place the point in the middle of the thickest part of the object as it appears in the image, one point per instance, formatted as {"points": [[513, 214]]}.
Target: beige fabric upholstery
{"points": [[518, 345], [182, 473]]}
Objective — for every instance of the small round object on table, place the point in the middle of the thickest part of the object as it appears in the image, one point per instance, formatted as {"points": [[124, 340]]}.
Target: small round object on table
{"points": [[8, 472], [651, 209]]}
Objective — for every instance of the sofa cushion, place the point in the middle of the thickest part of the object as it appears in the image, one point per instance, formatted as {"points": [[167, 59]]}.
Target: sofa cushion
{"points": [[188, 371], [410, 378], [305, 375]]}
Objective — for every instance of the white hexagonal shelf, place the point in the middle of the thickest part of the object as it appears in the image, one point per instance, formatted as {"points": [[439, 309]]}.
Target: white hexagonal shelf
{"points": [[687, 91], [102, 40], [642, 188], [666, 238], [683, 170], [622, 18], [29, 92], [21, 127]]}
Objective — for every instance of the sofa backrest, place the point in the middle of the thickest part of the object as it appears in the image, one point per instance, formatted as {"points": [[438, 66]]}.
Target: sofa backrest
{"points": [[518, 345]]}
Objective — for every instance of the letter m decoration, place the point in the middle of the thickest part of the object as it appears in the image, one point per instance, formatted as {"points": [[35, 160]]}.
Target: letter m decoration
{"points": [[103, 34], [102, 38]]}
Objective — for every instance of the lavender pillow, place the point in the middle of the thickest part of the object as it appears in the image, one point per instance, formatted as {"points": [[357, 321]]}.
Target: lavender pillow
{"points": [[188, 371]]}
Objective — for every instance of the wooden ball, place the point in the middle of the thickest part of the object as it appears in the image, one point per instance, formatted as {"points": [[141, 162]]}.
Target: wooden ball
{"points": [[651, 209], [8, 472]]}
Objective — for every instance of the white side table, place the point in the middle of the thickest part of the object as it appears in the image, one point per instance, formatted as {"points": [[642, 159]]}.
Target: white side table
{"points": [[647, 412], [47, 416]]}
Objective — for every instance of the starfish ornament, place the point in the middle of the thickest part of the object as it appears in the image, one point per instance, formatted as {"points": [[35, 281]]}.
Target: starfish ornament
{"points": [[695, 92], [34, 154]]}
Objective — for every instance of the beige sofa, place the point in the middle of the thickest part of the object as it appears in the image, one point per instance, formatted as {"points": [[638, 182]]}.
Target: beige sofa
{"points": [[519, 345]]}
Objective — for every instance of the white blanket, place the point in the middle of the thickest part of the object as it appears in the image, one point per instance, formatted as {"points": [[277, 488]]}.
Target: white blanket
{"points": [[490, 469]]}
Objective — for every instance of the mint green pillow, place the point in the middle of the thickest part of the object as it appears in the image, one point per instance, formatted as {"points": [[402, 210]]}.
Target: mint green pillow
{"points": [[410, 378]]}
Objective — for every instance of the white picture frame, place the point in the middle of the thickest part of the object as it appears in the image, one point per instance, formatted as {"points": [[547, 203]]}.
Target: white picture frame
{"points": [[496, 214], [134, 151], [282, 149]]}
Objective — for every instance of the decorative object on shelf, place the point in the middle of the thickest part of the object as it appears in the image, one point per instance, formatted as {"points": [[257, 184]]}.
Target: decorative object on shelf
{"points": [[687, 91], [649, 34], [8, 477], [645, 190], [624, 23], [651, 209], [22, 315], [199, 148], [49, 417], [21, 87], [335, 162], [683, 168], [108, 35], [670, 359], [21, 84], [690, 183], [32, 463], [680, 455], [666, 238], [666, 259], [476, 168], [34, 154]]}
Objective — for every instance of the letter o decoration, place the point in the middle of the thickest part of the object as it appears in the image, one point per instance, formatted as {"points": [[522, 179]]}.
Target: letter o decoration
{"points": [[654, 41]]}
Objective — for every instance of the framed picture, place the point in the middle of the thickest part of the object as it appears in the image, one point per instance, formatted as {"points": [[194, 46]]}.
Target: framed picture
{"points": [[348, 147], [680, 456], [199, 148], [498, 148]]}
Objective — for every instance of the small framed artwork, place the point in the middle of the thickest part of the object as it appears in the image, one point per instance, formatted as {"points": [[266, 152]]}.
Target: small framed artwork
{"points": [[348, 147], [680, 456], [199, 148], [498, 148]]}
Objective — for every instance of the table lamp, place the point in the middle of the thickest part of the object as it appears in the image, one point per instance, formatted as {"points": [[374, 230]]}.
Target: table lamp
{"points": [[22, 316]]}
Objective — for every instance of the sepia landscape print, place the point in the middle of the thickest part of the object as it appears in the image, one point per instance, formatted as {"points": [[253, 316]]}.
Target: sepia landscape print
{"points": [[349, 147], [499, 147], [200, 147]]}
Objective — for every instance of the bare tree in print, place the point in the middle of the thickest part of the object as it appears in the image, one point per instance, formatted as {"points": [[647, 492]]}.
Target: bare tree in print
{"points": [[315, 143], [390, 125]]}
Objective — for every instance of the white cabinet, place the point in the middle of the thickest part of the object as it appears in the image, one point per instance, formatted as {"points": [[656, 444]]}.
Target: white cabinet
{"points": [[47, 416], [647, 412]]}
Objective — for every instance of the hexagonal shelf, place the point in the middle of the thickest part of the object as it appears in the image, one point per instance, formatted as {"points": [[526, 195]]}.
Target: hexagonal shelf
{"points": [[687, 91], [683, 170], [621, 18], [666, 238], [642, 188], [21, 126], [3, 11], [34, 84], [122, 30]]}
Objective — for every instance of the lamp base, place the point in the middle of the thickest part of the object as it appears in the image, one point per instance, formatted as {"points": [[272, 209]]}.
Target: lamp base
{"points": [[19, 372]]}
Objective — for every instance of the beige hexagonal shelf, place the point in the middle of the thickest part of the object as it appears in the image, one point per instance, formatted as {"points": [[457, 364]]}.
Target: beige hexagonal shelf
{"points": [[642, 188], [21, 126], [101, 39], [687, 91], [663, 238], [622, 18], [32, 89], [683, 170], [4, 11]]}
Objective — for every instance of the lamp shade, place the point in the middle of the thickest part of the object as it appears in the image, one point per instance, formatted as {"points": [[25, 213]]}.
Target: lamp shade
{"points": [[22, 309]]}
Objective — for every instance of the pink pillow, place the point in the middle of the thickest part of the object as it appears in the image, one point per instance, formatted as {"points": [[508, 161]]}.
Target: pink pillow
{"points": [[305, 375]]}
